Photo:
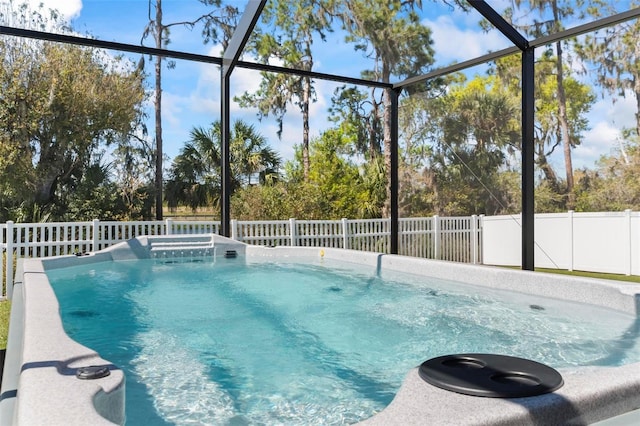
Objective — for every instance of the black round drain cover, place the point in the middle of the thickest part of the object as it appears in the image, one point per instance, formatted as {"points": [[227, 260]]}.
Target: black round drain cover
{"points": [[92, 372], [490, 375]]}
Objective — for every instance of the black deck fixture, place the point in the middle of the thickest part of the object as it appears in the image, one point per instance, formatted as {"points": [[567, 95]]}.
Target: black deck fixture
{"points": [[490, 375], [92, 372]]}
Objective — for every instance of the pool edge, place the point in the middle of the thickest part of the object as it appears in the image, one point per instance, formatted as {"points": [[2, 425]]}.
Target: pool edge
{"points": [[50, 359], [590, 394]]}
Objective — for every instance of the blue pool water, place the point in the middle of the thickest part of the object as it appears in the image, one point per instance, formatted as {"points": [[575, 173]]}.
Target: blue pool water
{"points": [[229, 343]]}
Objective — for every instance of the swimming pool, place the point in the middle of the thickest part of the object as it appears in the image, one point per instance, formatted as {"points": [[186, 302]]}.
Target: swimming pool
{"points": [[307, 342], [325, 346]]}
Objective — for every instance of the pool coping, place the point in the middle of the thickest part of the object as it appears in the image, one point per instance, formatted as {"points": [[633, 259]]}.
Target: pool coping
{"points": [[48, 358]]}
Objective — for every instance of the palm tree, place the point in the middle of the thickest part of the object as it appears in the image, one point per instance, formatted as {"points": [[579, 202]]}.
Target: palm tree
{"points": [[196, 174]]}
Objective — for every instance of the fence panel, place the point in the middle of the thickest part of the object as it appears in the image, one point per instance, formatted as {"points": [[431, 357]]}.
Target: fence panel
{"points": [[606, 242], [50, 239], [369, 235], [191, 227], [458, 239], [266, 233], [109, 233], [417, 237], [319, 233]]}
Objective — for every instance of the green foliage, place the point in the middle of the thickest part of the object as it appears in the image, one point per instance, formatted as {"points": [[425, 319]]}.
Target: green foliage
{"points": [[390, 33], [292, 26], [555, 194], [580, 99], [360, 124], [615, 184], [195, 175], [613, 53], [461, 143], [94, 194], [337, 179], [336, 187], [59, 106]]}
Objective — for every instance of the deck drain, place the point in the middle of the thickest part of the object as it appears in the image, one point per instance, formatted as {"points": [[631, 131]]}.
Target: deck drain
{"points": [[92, 372], [489, 375]]}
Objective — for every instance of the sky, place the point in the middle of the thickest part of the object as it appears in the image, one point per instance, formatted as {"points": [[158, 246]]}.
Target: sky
{"points": [[191, 91]]}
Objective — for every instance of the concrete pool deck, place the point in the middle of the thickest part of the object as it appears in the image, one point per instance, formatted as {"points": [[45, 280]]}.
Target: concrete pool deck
{"points": [[40, 384]]}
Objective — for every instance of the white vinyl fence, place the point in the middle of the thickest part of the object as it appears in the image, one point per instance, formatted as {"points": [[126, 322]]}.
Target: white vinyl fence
{"points": [[456, 239], [597, 242]]}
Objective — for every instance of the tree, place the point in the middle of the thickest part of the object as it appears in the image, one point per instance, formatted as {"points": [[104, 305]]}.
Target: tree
{"points": [[337, 186], [356, 115], [92, 194], [471, 130], [548, 133], [559, 11], [297, 21], [615, 54], [59, 105], [221, 19], [195, 173], [615, 184], [133, 176], [343, 190], [391, 32]]}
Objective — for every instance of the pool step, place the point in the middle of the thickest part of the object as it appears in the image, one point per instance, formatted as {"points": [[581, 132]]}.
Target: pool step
{"points": [[165, 247]]}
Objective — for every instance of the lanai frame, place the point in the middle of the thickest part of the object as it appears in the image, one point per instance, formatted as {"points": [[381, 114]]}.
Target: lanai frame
{"points": [[231, 60]]}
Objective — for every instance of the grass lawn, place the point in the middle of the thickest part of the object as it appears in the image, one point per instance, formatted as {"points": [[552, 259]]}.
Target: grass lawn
{"points": [[5, 309], [617, 277]]}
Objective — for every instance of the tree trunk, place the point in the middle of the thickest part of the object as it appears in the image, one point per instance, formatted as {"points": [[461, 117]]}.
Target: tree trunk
{"points": [[549, 174], [44, 189], [158, 112], [564, 127], [636, 91], [374, 149], [306, 98], [386, 99]]}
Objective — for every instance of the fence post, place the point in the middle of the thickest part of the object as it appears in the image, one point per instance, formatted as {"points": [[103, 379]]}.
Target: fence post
{"points": [[293, 232], [95, 233], [234, 229], [571, 241], [474, 239], [168, 226], [3, 249], [481, 240], [629, 242], [9, 268], [436, 237], [345, 233]]}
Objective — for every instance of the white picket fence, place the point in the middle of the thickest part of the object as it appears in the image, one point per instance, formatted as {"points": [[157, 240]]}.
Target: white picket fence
{"points": [[457, 239]]}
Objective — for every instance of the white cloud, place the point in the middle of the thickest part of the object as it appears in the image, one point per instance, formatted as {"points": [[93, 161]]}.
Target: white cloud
{"points": [[172, 108], [453, 43], [69, 9], [607, 119], [199, 105], [618, 110], [598, 141]]}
